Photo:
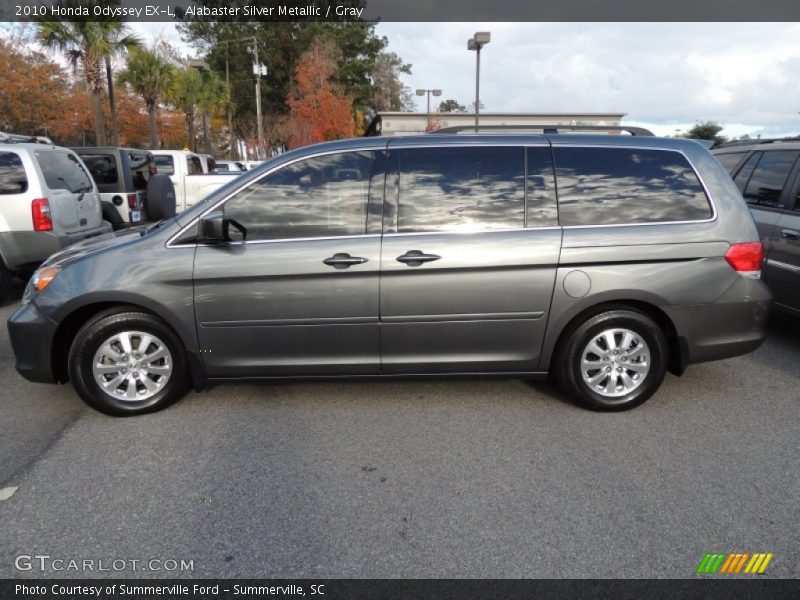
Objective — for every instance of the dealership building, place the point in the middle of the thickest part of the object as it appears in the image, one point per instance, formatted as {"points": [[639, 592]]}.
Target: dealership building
{"points": [[411, 123]]}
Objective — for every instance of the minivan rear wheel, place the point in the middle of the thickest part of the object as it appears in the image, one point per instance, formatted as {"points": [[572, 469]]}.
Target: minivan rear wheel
{"points": [[612, 361], [128, 363]]}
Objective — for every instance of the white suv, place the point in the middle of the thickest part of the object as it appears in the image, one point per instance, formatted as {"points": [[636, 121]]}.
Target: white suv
{"points": [[47, 201]]}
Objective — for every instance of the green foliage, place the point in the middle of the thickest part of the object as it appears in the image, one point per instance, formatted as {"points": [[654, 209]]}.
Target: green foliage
{"points": [[707, 130], [451, 105]]}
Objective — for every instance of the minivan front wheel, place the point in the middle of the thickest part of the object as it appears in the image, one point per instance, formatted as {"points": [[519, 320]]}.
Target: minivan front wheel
{"points": [[128, 363], [612, 361]]}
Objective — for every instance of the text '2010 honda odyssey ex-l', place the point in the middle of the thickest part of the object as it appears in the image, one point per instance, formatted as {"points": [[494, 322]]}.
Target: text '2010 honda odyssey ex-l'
{"points": [[605, 260]]}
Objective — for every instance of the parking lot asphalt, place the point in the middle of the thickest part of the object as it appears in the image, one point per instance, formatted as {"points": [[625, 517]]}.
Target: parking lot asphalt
{"points": [[469, 478]]}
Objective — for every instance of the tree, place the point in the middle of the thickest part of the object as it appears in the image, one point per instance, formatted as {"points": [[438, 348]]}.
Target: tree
{"points": [[213, 97], [117, 41], [707, 130], [452, 106], [185, 94], [390, 92], [319, 108], [84, 44], [151, 76]]}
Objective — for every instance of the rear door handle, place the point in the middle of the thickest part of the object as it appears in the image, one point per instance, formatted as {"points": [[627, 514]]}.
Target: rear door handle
{"points": [[342, 260], [790, 234], [414, 258]]}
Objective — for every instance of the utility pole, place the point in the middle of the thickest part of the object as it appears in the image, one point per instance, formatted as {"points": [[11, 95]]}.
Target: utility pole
{"points": [[257, 70], [231, 139]]}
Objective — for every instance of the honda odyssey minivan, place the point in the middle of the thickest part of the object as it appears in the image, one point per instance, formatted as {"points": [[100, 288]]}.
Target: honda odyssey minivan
{"points": [[604, 260]]}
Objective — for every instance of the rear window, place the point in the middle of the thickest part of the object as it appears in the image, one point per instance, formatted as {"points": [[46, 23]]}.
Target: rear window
{"points": [[730, 160], [141, 166], [103, 168], [195, 167], [223, 167], [165, 164], [621, 186], [13, 179], [63, 171]]}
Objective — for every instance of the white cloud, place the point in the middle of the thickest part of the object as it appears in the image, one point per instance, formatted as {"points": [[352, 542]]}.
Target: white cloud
{"points": [[665, 75]]}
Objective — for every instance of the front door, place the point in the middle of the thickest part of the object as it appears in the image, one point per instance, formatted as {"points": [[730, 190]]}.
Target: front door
{"points": [[467, 264], [299, 294]]}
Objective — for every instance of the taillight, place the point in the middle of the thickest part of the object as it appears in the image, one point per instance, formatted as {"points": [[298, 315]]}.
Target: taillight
{"points": [[746, 258], [133, 200], [40, 211]]}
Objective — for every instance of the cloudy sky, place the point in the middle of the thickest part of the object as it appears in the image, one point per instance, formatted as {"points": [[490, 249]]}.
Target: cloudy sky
{"points": [[664, 75]]}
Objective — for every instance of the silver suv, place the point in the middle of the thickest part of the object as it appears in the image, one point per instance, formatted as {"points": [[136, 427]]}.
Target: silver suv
{"points": [[47, 201], [604, 260]]}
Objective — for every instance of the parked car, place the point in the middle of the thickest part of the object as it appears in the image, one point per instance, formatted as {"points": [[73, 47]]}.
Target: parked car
{"points": [[230, 165], [435, 255], [47, 201], [767, 172], [131, 191], [185, 169]]}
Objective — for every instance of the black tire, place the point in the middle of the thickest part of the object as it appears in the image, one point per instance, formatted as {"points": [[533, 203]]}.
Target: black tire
{"points": [[160, 202], [95, 333], [6, 281], [569, 356]]}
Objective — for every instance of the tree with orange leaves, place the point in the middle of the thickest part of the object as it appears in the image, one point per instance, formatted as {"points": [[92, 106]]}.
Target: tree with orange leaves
{"points": [[319, 109]]}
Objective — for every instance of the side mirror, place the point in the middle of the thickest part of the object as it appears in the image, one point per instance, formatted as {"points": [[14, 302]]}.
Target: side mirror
{"points": [[212, 227]]}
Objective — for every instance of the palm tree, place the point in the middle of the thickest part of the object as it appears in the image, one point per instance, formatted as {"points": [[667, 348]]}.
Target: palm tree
{"points": [[151, 76], [185, 95], [213, 97], [85, 45], [117, 41]]}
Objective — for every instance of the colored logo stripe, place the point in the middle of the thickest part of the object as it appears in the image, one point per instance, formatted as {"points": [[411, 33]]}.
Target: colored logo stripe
{"points": [[732, 563]]}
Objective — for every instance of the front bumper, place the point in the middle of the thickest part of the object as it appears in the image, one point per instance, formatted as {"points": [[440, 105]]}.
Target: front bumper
{"points": [[32, 336]]}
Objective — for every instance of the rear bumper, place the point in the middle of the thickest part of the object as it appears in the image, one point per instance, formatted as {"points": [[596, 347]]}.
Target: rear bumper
{"points": [[733, 325], [32, 336], [22, 248]]}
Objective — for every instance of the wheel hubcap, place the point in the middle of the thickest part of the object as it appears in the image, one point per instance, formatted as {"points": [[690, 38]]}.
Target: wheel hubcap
{"points": [[615, 362], [132, 366]]}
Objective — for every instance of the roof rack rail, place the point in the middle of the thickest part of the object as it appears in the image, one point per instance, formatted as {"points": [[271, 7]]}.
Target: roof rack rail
{"points": [[547, 129], [757, 141], [15, 138]]}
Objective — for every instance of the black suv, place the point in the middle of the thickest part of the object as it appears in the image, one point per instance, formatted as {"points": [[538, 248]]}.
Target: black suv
{"points": [[767, 172], [123, 179]]}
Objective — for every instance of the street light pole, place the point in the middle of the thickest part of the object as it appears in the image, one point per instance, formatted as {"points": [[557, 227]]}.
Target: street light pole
{"points": [[422, 92], [476, 42]]}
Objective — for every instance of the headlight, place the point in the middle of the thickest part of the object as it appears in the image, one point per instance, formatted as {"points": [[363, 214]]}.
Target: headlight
{"points": [[42, 278]]}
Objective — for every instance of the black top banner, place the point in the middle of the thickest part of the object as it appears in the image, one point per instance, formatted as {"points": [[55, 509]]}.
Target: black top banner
{"points": [[402, 10]]}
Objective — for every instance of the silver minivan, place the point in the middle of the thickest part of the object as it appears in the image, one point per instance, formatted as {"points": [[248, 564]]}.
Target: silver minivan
{"points": [[603, 260]]}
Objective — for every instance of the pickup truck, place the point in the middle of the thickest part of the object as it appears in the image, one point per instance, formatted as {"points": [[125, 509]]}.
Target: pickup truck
{"points": [[185, 169]]}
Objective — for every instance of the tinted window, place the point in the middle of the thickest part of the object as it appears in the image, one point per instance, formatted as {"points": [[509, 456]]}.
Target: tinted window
{"points": [[746, 171], [769, 177], [605, 186], [62, 171], [194, 165], [730, 160], [318, 197], [12, 174], [103, 168], [141, 166], [165, 164], [541, 189], [223, 167], [461, 189]]}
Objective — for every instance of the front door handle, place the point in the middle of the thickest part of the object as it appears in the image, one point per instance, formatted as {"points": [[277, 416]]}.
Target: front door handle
{"points": [[342, 260], [790, 234], [414, 258]]}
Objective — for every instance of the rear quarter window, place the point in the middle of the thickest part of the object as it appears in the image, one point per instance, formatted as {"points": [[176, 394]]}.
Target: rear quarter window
{"points": [[625, 186], [730, 160], [13, 179], [103, 168]]}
